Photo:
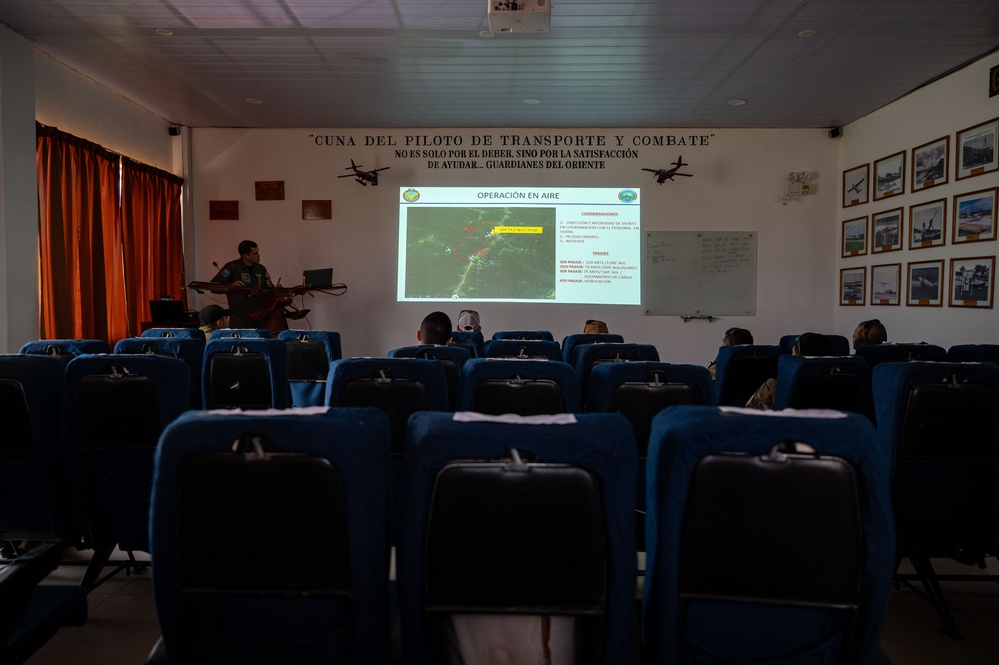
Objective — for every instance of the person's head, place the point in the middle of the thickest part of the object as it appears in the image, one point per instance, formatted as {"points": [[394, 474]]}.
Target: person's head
{"points": [[737, 336], [869, 332], [594, 327], [249, 252], [214, 316], [468, 321], [435, 329], [814, 344]]}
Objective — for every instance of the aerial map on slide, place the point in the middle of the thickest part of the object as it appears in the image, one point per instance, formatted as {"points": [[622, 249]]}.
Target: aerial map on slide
{"points": [[480, 253]]}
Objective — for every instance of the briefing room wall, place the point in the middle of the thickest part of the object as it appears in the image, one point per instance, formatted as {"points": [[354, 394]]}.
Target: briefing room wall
{"points": [[738, 177], [943, 108]]}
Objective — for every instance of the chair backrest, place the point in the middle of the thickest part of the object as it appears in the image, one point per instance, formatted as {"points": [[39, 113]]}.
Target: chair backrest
{"points": [[397, 386], [879, 353], [589, 356], [114, 409], [740, 370], [310, 353], [941, 420], [34, 493], [840, 342], [470, 340], [528, 349], [192, 333], [973, 353], [524, 335], [189, 349], [570, 342], [242, 333], [247, 373], [524, 387], [452, 358], [712, 476], [319, 480], [577, 482], [837, 382], [65, 349]]}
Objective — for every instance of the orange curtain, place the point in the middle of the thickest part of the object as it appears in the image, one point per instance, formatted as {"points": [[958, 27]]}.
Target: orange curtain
{"points": [[82, 279], [152, 238]]}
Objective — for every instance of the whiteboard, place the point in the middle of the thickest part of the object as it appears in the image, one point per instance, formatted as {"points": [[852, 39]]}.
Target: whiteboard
{"points": [[699, 273]]}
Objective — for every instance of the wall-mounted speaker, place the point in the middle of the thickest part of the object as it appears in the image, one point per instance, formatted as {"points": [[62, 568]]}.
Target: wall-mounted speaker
{"points": [[835, 132], [174, 131]]}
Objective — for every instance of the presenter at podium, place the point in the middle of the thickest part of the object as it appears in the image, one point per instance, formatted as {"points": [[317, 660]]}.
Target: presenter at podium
{"points": [[245, 271]]}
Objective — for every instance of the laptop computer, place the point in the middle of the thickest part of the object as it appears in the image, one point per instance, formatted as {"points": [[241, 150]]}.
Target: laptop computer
{"points": [[318, 278]]}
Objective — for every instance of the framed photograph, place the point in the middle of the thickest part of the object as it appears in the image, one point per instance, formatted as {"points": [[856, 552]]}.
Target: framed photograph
{"points": [[929, 164], [855, 185], [974, 216], [854, 237], [925, 284], [976, 150], [852, 286], [889, 174], [928, 224], [886, 227], [885, 280], [972, 281]]}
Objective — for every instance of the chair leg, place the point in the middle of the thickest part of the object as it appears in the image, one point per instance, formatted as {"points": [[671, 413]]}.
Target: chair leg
{"points": [[934, 594], [102, 552]]}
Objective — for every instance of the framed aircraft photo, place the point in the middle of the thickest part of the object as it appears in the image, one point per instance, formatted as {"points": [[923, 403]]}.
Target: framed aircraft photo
{"points": [[974, 216], [886, 228], [972, 281], [929, 164], [885, 280], [976, 150], [855, 185], [852, 286], [854, 237], [925, 284], [928, 224], [889, 176]]}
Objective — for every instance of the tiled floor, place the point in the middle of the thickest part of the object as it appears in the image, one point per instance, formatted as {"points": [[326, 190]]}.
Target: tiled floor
{"points": [[122, 628]]}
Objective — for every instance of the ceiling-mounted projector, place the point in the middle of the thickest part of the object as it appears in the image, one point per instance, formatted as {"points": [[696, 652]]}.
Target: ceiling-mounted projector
{"points": [[519, 15]]}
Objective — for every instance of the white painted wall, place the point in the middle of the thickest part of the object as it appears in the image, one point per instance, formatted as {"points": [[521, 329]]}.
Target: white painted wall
{"points": [[737, 178], [942, 109]]}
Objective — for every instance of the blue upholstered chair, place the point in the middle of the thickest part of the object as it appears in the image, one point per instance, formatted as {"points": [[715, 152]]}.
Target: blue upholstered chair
{"points": [[890, 352], [114, 408], [34, 484], [741, 370], [973, 353], [321, 483], [452, 359], [245, 373], [525, 580], [588, 356], [310, 353], [524, 387], [841, 343], [187, 333], [570, 342], [65, 349], [526, 349], [524, 335], [783, 594], [834, 382], [470, 340], [244, 333], [941, 423], [189, 349]]}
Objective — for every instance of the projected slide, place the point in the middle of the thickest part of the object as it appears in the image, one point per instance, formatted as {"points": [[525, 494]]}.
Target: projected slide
{"points": [[562, 245]]}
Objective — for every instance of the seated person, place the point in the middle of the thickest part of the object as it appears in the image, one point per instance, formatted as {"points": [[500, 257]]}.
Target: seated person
{"points": [[595, 327], [733, 337], [435, 330], [468, 321], [869, 332], [212, 318], [807, 344]]}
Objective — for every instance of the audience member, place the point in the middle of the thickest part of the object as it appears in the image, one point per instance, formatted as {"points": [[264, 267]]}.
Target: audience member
{"points": [[213, 317], [435, 330], [807, 344], [468, 321], [869, 332], [595, 327], [732, 337]]}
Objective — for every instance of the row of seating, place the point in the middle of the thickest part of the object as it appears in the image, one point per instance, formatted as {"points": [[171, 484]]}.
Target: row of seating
{"points": [[509, 521]]}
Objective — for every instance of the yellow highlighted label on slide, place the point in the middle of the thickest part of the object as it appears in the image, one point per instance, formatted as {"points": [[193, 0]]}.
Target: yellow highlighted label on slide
{"points": [[517, 229]]}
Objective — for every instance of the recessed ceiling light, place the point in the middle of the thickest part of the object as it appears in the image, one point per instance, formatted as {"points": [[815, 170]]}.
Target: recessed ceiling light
{"points": [[807, 33], [487, 34], [163, 32], [736, 102], [532, 101], [254, 100]]}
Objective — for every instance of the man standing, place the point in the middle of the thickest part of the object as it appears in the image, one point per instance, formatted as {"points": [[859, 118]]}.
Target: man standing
{"points": [[245, 271]]}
